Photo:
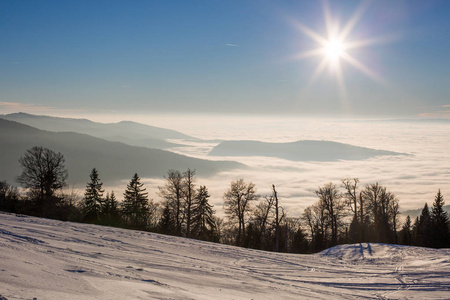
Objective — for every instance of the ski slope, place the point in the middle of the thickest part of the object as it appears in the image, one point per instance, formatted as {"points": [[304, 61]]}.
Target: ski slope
{"points": [[47, 259]]}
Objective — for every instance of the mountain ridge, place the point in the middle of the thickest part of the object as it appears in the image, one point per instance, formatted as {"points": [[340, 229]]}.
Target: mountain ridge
{"points": [[129, 132], [114, 160]]}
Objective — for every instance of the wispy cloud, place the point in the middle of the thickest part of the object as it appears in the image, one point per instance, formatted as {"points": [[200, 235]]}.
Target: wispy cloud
{"points": [[231, 45], [438, 113]]}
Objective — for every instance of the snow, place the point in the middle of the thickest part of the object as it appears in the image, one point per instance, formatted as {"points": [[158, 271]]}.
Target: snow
{"points": [[48, 259]]}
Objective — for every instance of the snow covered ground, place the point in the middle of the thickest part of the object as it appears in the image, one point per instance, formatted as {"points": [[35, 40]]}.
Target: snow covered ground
{"points": [[47, 259]]}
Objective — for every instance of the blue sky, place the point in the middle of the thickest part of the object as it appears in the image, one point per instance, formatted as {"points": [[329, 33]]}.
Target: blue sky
{"points": [[221, 57]]}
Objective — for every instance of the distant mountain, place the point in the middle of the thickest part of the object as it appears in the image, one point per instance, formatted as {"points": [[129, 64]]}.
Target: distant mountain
{"points": [[114, 160], [413, 213], [131, 133], [298, 151]]}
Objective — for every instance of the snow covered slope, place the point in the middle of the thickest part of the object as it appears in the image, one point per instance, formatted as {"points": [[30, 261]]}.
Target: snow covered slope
{"points": [[47, 259]]}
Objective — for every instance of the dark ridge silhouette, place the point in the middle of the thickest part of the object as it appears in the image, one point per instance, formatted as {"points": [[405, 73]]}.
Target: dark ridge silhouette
{"points": [[114, 160], [128, 132], [298, 151]]}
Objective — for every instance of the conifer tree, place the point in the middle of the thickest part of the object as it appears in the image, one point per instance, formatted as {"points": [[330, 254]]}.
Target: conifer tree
{"points": [[93, 198], [439, 223], [415, 229], [166, 224], [423, 237], [406, 232], [203, 223], [135, 206], [299, 241], [110, 210]]}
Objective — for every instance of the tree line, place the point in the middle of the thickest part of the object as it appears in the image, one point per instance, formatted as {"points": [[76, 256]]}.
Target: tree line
{"points": [[348, 213]]}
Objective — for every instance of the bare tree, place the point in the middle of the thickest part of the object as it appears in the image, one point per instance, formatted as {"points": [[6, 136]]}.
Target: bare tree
{"points": [[237, 203], [43, 172], [332, 200], [172, 192], [316, 219], [394, 212], [351, 195], [262, 213], [277, 220], [356, 203], [188, 185], [382, 207]]}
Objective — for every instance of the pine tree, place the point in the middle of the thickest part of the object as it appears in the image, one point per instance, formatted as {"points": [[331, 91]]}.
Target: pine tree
{"points": [[110, 210], [93, 198], [439, 223], [423, 237], [406, 232], [135, 206], [299, 242], [166, 224], [203, 223], [415, 235]]}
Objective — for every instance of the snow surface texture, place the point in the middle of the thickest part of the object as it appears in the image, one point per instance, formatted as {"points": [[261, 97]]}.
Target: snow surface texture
{"points": [[47, 259]]}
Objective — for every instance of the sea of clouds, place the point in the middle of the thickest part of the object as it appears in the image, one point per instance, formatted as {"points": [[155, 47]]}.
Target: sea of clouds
{"points": [[415, 178]]}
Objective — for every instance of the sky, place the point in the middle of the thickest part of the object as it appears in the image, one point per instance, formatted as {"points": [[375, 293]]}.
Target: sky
{"points": [[247, 57]]}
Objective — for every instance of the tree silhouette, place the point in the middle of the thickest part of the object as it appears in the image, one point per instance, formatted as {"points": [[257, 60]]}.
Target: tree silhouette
{"points": [[110, 210], [423, 230], [237, 204], [93, 198], [43, 172], [135, 206], [203, 221], [166, 223], [9, 197], [188, 185], [172, 193], [439, 223], [331, 198], [406, 232]]}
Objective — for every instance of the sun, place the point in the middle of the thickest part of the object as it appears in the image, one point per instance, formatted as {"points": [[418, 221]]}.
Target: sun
{"points": [[335, 48]]}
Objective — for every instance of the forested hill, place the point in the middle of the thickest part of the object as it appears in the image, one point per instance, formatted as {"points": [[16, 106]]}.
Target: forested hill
{"points": [[131, 133], [115, 160]]}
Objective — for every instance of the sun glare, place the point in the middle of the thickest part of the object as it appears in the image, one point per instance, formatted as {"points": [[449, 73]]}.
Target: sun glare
{"points": [[335, 47]]}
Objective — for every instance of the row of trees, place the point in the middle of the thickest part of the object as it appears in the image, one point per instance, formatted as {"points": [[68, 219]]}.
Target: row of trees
{"points": [[185, 210], [343, 214], [430, 229], [373, 211]]}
